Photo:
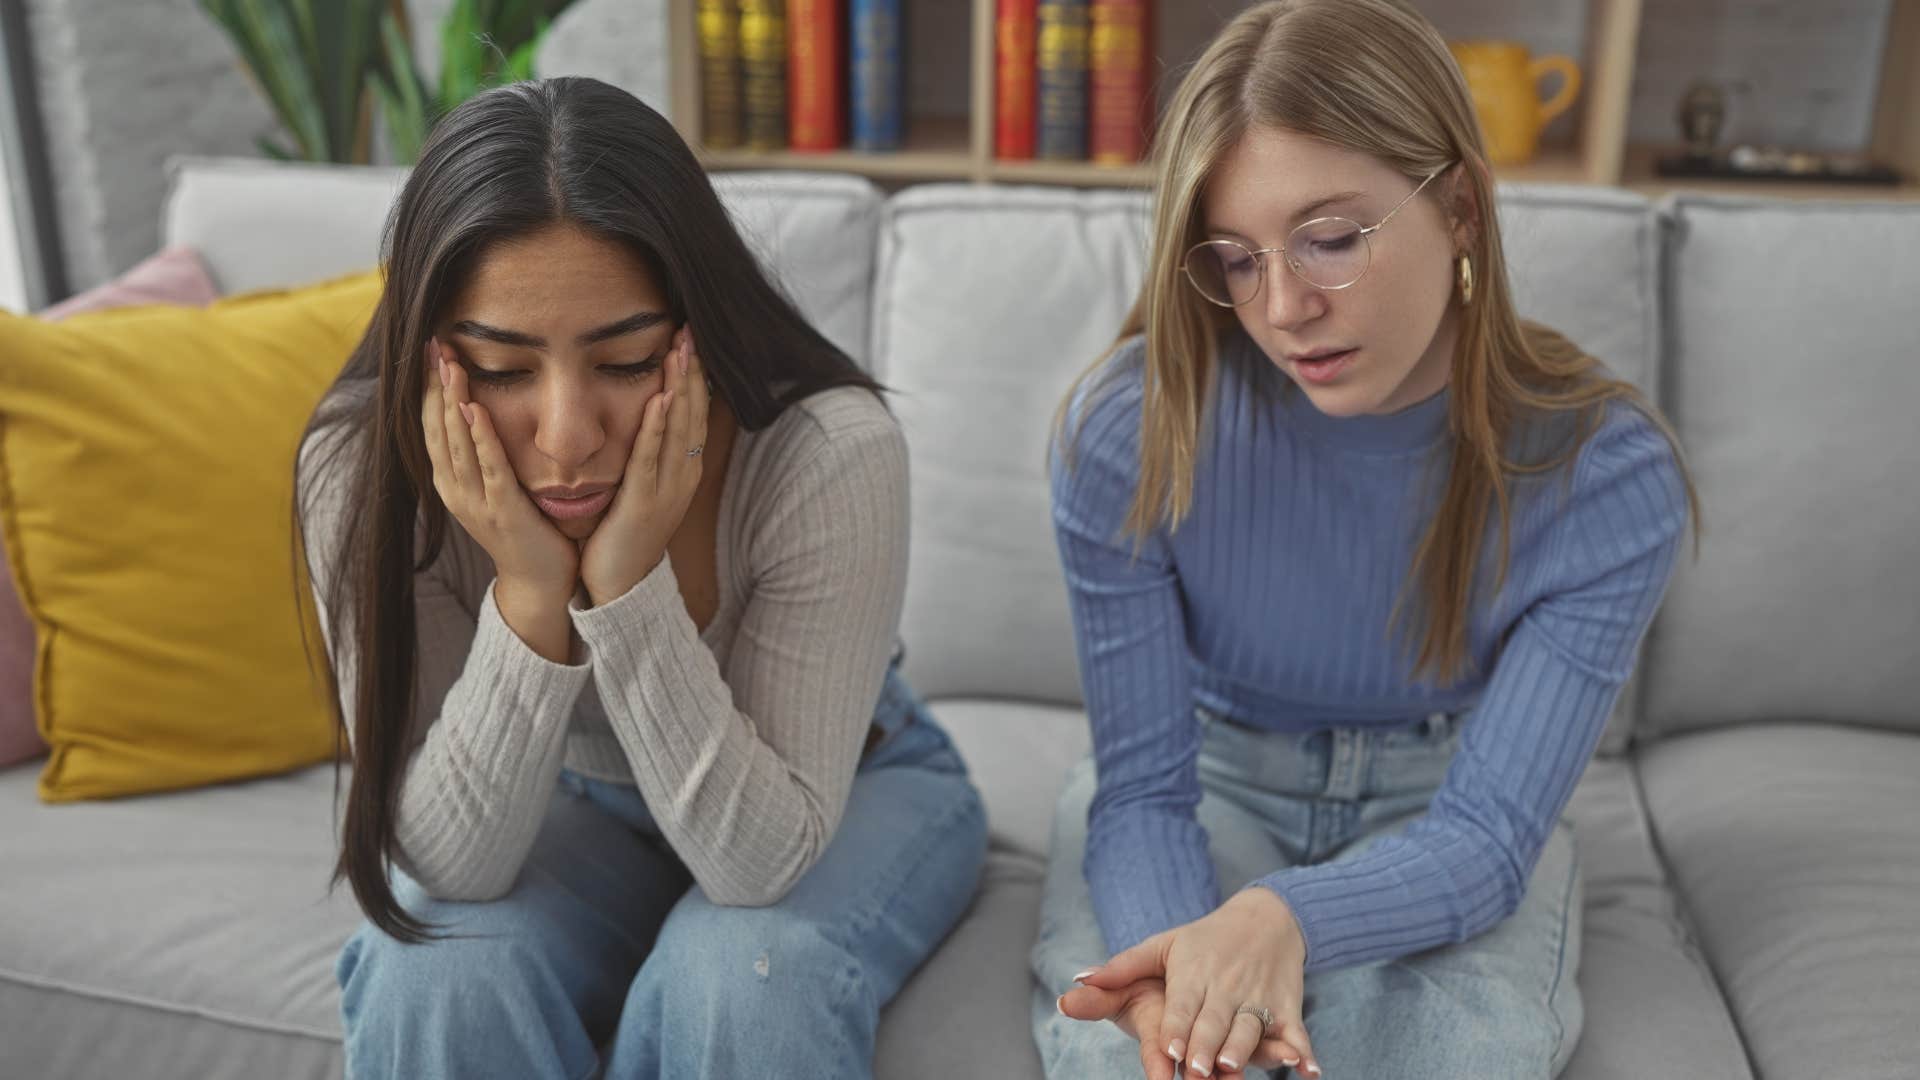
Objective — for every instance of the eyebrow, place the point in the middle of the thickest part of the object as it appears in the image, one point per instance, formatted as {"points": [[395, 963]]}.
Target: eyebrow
{"points": [[632, 324], [1304, 212]]}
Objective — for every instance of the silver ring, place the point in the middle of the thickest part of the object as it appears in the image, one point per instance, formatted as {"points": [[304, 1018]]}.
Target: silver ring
{"points": [[695, 451], [1260, 1013]]}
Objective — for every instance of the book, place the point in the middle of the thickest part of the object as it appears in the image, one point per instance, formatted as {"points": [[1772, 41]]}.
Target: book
{"points": [[877, 89], [720, 110], [1061, 51], [814, 70], [763, 73], [1117, 58], [1013, 79]]}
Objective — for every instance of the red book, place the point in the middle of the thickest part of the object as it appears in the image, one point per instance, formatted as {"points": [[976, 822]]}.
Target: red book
{"points": [[815, 66], [1013, 83], [1117, 81]]}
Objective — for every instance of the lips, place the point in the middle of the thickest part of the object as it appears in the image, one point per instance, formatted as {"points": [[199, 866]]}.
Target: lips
{"points": [[564, 507], [1323, 366]]}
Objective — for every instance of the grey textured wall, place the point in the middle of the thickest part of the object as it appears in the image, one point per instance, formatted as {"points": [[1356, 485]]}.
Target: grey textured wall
{"points": [[123, 84]]}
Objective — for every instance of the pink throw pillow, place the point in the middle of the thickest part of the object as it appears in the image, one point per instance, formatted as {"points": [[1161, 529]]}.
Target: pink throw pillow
{"points": [[174, 276]]}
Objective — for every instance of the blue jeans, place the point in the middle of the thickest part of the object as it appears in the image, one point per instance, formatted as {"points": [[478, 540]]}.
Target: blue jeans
{"points": [[1503, 1004], [604, 960]]}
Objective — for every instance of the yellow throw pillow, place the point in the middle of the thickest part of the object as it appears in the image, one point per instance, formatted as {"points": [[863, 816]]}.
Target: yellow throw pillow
{"points": [[146, 472]]}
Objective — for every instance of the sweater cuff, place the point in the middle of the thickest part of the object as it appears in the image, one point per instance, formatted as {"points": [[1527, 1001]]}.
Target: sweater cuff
{"points": [[1138, 895], [512, 679], [627, 618], [1334, 926]]}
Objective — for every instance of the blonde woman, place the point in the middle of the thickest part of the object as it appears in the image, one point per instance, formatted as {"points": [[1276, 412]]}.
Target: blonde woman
{"points": [[1359, 563]]}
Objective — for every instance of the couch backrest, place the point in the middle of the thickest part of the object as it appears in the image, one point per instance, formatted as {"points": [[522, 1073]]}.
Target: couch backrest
{"points": [[988, 301], [264, 224], [1794, 384]]}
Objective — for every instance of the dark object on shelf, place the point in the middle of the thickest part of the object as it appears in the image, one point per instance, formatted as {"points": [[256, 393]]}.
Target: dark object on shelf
{"points": [[1702, 110], [1773, 163]]}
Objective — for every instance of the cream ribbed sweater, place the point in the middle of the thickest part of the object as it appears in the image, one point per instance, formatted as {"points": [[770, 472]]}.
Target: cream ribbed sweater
{"points": [[743, 740]]}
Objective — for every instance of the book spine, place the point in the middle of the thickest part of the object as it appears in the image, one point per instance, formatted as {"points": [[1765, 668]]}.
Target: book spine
{"points": [[877, 89], [814, 70], [1013, 89], [763, 65], [1117, 53], [1061, 50], [719, 27]]}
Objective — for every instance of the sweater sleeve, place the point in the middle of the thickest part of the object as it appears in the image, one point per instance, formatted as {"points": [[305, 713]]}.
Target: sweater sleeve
{"points": [[1463, 866], [490, 717], [1146, 862], [747, 771]]}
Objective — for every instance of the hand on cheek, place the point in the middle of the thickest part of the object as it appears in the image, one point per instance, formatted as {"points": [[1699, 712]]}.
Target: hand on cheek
{"points": [[662, 474]]}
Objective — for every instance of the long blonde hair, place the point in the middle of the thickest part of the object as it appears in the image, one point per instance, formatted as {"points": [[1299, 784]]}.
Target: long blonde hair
{"points": [[1372, 76]]}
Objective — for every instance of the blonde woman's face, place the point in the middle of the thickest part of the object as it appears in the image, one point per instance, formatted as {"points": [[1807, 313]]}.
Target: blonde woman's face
{"points": [[1391, 333]]}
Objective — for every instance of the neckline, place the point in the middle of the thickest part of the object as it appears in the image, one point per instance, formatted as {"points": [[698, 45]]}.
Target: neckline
{"points": [[1416, 427]]}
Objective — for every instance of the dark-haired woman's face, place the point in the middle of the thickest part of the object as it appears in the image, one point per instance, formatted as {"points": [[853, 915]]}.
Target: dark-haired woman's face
{"points": [[562, 334]]}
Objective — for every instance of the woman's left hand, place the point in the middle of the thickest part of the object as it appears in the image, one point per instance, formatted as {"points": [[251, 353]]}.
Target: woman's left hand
{"points": [[1247, 952], [658, 485]]}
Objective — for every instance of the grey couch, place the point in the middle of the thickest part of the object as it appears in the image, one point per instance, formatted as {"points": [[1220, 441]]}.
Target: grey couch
{"points": [[1750, 834]]}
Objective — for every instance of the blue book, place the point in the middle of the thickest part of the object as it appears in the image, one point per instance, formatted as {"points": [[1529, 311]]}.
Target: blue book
{"points": [[1061, 51], [875, 91]]}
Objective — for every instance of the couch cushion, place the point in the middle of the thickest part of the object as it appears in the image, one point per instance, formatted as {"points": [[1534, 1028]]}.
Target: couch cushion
{"points": [[188, 934], [1793, 384], [1652, 1008], [266, 223], [1797, 849], [1019, 754], [987, 303]]}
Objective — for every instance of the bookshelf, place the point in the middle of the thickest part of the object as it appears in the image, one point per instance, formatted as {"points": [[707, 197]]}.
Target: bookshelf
{"points": [[1596, 148]]}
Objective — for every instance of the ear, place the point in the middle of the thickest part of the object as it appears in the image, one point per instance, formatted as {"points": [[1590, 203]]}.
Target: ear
{"points": [[1464, 212]]}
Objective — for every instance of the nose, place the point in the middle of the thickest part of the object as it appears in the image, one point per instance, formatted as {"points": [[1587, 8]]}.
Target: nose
{"points": [[571, 429], [1290, 302]]}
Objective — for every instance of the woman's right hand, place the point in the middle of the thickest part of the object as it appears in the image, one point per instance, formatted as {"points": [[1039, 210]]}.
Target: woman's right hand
{"points": [[533, 562]]}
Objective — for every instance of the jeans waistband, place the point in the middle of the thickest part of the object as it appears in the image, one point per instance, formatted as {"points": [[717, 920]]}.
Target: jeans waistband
{"points": [[1341, 762]]}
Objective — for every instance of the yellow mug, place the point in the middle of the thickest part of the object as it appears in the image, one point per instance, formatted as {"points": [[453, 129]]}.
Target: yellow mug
{"points": [[1505, 83]]}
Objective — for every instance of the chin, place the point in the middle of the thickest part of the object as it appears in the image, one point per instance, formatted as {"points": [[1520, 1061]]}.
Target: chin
{"points": [[577, 528], [1342, 400]]}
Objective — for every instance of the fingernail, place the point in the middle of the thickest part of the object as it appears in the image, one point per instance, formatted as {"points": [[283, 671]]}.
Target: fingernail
{"points": [[466, 410], [1313, 1068], [1289, 1062], [1060, 1004], [1199, 1065], [1176, 1050], [1229, 1064], [1083, 976]]}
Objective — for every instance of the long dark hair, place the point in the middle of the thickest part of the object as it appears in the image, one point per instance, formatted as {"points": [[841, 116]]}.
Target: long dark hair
{"points": [[509, 162]]}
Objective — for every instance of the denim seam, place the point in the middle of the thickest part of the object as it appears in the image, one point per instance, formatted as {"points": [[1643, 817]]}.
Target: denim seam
{"points": [[1567, 900], [862, 919]]}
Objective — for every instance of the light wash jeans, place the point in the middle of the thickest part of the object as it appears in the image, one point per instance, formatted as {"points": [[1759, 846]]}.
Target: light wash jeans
{"points": [[603, 946], [1501, 1005]]}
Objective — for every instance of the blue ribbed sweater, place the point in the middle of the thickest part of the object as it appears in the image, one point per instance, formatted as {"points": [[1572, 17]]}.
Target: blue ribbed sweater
{"points": [[1271, 604]]}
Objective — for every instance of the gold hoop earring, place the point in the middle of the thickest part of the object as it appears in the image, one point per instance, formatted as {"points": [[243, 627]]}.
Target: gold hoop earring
{"points": [[1465, 266]]}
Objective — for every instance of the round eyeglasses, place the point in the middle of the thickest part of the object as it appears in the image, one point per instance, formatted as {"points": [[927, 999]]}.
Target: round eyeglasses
{"points": [[1326, 253]]}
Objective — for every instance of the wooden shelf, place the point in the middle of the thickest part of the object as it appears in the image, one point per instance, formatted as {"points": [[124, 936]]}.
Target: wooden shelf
{"points": [[1084, 173], [961, 148], [1640, 176], [937, 149], [1553, 165]]}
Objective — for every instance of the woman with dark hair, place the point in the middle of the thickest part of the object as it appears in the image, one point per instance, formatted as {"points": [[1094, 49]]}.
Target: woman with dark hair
{"points": [[609, 546]]}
